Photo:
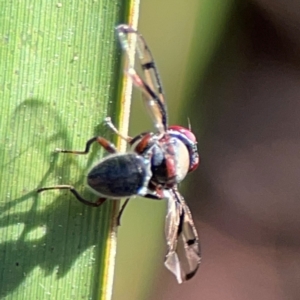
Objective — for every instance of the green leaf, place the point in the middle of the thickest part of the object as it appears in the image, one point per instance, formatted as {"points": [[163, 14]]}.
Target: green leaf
{"points": [[60, 77]]}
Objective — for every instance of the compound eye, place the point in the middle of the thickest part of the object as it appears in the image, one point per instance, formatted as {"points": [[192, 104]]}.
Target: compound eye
{"points": [[184, 131], [189, 139], [195, 163]]}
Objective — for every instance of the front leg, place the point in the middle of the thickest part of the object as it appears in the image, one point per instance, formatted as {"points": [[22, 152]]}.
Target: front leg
{"points": [[113, 128], [108, 146]]}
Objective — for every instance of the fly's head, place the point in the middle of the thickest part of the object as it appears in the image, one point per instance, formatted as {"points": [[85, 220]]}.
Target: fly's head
{"points": [[189, 140], [172, 155]]}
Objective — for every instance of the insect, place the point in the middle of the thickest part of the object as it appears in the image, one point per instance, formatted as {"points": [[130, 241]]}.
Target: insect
{"points": [[153, 168]]}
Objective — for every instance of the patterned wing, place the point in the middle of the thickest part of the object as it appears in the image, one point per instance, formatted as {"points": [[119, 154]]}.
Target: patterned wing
{"points": [[180, 228], [151, 87]]}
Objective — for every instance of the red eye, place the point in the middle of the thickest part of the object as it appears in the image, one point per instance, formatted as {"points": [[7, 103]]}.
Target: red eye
{"points": [[184, 131], [189, 139]]}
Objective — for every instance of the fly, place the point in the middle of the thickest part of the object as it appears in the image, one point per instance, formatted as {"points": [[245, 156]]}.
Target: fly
{"points": [[153, 167]]}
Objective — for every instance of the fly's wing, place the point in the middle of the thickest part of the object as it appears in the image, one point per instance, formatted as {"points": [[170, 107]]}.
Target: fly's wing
{"points": [[173, 220], [190, 240], [151, 87], [180, 228]]}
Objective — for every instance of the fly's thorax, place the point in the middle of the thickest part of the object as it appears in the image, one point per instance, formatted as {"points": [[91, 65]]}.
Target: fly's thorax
{"points": [[119, 175]]}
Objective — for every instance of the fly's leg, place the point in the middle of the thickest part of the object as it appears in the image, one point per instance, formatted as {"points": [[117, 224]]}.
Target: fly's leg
{"points": [[145, 143], [121, 211], [75, 193], [155, 196], [108, 146], [112, 127]]}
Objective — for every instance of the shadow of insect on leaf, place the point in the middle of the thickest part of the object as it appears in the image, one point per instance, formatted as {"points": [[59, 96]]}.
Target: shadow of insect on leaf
{"points": [[47, 234]]}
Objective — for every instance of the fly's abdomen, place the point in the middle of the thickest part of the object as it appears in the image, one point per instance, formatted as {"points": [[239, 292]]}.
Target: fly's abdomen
{"points": [[118, 176]]}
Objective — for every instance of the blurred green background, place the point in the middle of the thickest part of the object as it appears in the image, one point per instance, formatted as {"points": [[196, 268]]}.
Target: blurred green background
{"points": [[232, 67], [182, 37]]}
